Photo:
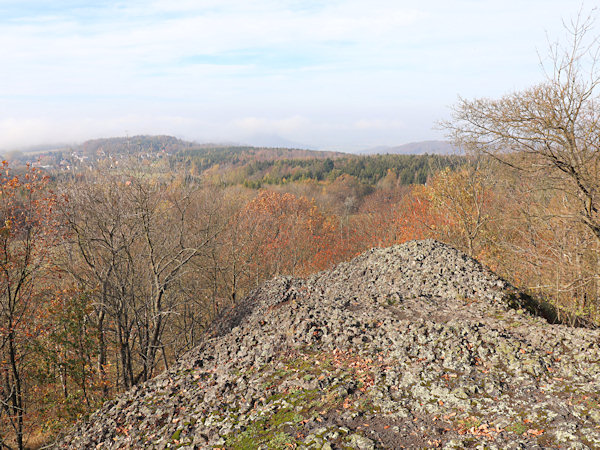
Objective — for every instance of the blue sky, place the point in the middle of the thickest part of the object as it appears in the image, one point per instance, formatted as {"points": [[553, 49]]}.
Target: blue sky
{"points": [[326, 74]]}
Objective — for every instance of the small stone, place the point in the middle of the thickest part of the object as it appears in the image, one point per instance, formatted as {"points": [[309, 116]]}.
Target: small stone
{"points": [[460, 393], [310, 438], [361, 442]]}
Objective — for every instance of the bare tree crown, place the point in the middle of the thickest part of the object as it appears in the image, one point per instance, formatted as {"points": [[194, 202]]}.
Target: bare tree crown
{"points": [[552, 128]]}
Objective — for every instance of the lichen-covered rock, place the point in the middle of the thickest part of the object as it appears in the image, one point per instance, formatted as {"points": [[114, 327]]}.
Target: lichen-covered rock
{"points": [[416, 345]]}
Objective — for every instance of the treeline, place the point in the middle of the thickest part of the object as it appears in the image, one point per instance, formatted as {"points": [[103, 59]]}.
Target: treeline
{"points": [[204, 157], [131, 145], [244, 165]]}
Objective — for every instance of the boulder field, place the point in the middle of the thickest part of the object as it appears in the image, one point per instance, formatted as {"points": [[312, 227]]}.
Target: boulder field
{"points": [[415, 345]]}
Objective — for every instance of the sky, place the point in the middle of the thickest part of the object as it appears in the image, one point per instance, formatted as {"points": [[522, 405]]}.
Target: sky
{"points": [[332, 74]]}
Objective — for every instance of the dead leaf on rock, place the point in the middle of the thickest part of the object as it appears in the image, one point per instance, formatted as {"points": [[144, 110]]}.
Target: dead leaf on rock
{"points": [[535, 432]]}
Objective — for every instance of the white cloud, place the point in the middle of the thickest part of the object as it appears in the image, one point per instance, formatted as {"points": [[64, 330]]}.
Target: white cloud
{"points": [[22, 132], [321, 72], [286, 126], [379, 124]]}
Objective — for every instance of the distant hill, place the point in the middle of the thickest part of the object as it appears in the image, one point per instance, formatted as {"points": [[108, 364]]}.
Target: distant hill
{"points": [[254, 167], [150, 147], [170, 144], [415, 148], [274, 140], [134, 144]]}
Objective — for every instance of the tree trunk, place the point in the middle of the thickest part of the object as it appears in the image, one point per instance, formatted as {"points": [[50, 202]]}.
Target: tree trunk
{"points": [[17, 394]]}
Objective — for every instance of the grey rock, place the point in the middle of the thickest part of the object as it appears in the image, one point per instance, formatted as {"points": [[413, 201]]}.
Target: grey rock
{"points": [[361, 442], [392, 339]]}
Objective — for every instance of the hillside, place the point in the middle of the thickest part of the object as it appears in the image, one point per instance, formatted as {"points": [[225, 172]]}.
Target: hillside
{"points": [[415, 148], [256, 167], [411, 346], [253, 167], [154, 147], [170, 144]]}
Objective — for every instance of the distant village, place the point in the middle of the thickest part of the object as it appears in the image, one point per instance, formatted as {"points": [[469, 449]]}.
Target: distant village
{"points": [[68, 160], [111, 152]]}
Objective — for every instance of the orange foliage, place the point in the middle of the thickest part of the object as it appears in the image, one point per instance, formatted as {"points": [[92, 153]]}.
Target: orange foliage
{"points": [[27, 234], [289, 232]]}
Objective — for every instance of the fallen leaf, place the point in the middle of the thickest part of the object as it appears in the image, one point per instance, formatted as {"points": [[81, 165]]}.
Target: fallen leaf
{"points": [[535, 432]]}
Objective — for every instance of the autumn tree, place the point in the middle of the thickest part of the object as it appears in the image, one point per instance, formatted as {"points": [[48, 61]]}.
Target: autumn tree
{"points": [[132, 241], [222, 275], [549, 133], [71, 387], [461, 198], [552, 129], [540, 247], [27, 234], [288, 230]]}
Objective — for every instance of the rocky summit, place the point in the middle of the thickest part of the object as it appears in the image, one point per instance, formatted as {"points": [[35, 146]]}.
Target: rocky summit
{"points": [[416, 345]]}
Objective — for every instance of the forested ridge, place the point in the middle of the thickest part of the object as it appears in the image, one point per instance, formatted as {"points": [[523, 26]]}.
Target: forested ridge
{"points": [[254, 167]]}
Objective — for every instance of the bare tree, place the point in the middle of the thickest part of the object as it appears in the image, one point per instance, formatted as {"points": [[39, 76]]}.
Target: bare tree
{"points": [[132, 241], [552, 128], [550, 135]]}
